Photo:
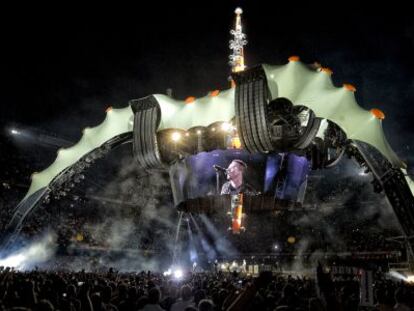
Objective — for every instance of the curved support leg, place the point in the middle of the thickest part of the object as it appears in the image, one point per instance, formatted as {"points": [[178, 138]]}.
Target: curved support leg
{"points": [[146, 121]]}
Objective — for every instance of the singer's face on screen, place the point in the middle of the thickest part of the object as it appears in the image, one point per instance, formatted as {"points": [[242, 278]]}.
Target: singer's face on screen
{"points": [[234, 171]]}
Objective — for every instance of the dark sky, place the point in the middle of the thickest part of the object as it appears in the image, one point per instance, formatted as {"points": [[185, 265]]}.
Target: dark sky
{"points": [[63, 67]]}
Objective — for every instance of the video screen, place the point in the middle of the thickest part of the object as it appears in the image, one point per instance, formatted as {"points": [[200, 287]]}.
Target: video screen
{"points": [[234, 171]]}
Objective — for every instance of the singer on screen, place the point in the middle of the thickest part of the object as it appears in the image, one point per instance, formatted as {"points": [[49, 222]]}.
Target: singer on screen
{"points": [[236, 184]]}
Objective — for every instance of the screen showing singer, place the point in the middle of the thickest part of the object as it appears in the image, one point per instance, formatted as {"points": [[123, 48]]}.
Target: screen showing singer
{"points": [[233, 171], [235, 175]]}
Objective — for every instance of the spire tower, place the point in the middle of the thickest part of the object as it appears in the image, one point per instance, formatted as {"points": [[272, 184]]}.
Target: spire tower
{"points": [[236, 45]]}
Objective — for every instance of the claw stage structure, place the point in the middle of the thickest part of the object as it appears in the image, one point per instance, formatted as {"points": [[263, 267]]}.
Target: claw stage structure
{"points": [[288, 108]]}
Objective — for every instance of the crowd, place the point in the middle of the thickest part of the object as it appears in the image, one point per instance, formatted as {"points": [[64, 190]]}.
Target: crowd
{"points": [[111, 290], [76, 229]]}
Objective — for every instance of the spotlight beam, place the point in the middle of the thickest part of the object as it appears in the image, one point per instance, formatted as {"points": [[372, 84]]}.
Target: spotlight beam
{"points": [[37, 136]]}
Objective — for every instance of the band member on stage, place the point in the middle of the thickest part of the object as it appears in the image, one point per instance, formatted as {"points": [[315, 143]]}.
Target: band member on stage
{"points": [[236, 184]]}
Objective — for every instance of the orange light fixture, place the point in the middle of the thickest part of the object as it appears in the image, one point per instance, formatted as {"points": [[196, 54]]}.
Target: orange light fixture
{"points": [[349, 87], [326, 70], [214, 93], [190, 99], [294, 58], [378, 114]]}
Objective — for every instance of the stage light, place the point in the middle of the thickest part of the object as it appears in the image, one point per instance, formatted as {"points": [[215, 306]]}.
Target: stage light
{"points": [[14, 132], [236, 143], [176, 136], [198, 132], [79, 237], [276, 246], [178, 273], [13, 261], [226, 126], [167, 273], [363, 171], [398, 276], [410, 279], [291, 239]]}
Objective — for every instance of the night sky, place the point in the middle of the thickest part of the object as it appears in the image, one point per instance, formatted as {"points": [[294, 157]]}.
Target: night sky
{"points": [[62, 68]]}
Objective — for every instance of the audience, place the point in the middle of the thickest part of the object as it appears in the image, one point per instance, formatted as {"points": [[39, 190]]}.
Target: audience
{"points": [[204, 291]]}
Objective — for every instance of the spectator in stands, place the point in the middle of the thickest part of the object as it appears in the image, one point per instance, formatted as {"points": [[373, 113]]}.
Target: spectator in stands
{"points": [[73, 291], [153, 304], [205, 305], [402, 298], [44, 305], [185, 300]]}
